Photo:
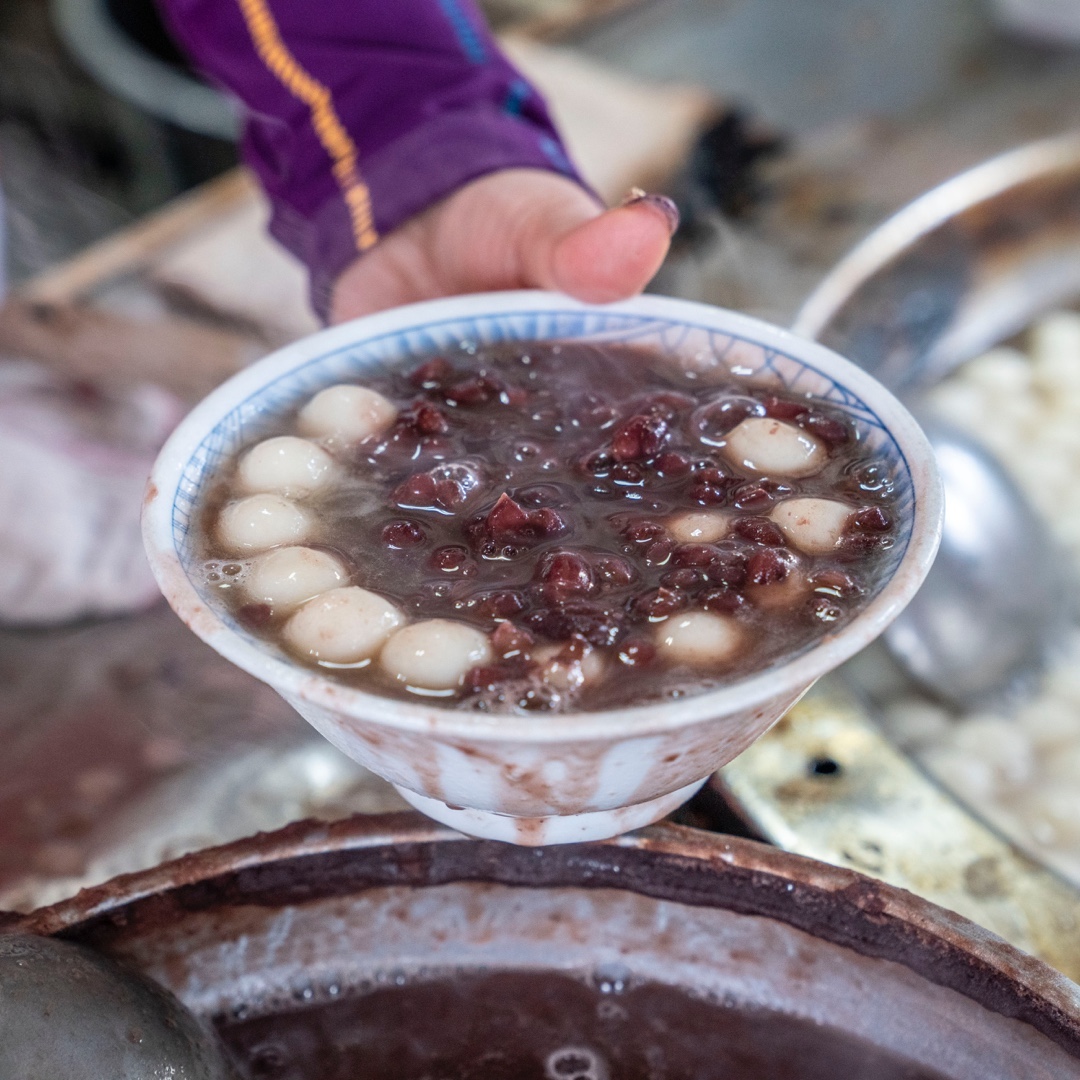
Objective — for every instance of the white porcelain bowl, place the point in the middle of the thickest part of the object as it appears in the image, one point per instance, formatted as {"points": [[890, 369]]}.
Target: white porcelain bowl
{"points": [[549, 778]]}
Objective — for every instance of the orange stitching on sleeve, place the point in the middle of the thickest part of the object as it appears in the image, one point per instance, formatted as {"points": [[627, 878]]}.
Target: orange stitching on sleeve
{"points": [[324, 119]]}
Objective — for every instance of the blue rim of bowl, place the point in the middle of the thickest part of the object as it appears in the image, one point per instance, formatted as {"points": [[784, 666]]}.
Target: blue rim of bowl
{"points": [[188, 457]]}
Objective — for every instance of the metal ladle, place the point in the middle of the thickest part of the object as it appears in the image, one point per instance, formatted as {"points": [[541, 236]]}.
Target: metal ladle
{"points": [[962, 268], [69, 1012]]}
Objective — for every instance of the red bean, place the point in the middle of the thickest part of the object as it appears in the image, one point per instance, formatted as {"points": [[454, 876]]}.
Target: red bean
{"points": [[637, 653], [508, 520], [872, 519], [782, 409], [760, 530], [509, 639], [696, 555], [766, 567], [614, 571], [724, 601], [565, 574], [729, 569], [829, 431], [659, 603], [432, 374], [402, 534], [759, 495], [452, 559], [659, 552], [835, 583], [597, 625], [641, 532], [685, 579], [672, 463], [639, 438], [500, 604], [710, 486]]}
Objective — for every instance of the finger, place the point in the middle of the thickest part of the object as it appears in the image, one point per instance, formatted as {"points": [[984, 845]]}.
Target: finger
{"points": [[614, 255]]}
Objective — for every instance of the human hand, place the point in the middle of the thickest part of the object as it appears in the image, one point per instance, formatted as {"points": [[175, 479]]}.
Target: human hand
{"points": [[514, 229]]}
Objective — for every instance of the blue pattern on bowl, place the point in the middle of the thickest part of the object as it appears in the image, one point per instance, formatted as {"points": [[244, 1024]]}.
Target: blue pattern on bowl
{"points": [[256, 415]]}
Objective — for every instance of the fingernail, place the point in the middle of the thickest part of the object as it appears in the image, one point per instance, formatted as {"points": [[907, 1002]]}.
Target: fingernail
{"points": [[662, 203]]}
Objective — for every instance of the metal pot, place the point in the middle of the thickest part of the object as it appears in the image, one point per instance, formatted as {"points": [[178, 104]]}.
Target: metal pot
{"points": [[397, 944]]}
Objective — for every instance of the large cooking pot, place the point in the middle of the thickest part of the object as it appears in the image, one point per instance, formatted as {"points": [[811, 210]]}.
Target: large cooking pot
{"points": [[392, 947]]}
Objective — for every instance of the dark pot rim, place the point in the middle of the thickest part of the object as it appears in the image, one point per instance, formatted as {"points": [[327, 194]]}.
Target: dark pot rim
{"points": [[312, 860]]}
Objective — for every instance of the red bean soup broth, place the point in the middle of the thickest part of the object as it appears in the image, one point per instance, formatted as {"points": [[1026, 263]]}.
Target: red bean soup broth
{"points": [[544, 526]]}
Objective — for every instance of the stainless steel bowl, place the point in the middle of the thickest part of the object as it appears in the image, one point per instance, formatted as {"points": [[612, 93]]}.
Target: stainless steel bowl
{"points": [[961, 268], [968, 264]]}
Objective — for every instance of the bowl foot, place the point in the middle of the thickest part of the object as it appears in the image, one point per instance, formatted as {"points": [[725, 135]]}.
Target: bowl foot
{"points": [[557, 829]]}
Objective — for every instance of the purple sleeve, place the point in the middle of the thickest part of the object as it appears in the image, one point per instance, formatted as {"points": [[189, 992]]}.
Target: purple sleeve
{"points": [[361, 113]]}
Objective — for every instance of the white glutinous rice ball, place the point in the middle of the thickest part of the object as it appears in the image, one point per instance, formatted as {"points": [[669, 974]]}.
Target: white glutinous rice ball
{"points": [[262, 521], [699, 526], [286, 465], [288, 576], [812, 525], [346, 414], [342, 626], [699, 638], [435, 654], [773, 448]]}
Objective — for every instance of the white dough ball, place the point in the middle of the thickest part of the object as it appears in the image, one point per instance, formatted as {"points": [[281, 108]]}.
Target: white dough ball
{"points": [[773, 448], [812, 525], [699, 638], [435, 654], [262, 521], [286, 465], [342, 626], [288, 576], [699, 526], [346, 414]]}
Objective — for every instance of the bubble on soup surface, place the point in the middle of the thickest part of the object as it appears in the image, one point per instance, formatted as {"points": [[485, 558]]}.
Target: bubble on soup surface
{"points": [[575, 1063], [699, 639], [435, 654], [342, 626], [772, 447], [812, 525], [699, 527], [346, 413], [262, 521], [288, 576], [285, 465]]}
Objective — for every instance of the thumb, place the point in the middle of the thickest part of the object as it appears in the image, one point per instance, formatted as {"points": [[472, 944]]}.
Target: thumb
{"points": [[613, 255]]}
